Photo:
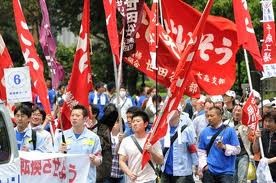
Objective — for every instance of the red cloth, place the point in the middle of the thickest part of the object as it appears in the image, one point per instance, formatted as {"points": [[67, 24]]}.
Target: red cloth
{"points": [[80, 83], [31, 57], [246, 34], [177, 87], [6, 62]]}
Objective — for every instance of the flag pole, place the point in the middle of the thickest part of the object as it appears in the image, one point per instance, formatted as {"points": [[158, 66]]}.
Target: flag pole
{"points": [[161, 14], [118, 80], [251, 89]]}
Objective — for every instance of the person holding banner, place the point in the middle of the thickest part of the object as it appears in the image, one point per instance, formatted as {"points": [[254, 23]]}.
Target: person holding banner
{"points": [[268, 141], [28, 139], [80, 140]]}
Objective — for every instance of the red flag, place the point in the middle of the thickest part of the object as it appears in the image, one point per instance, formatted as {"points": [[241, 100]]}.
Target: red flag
{"points": [[80, 82], [132, 21], [268, 47], [218, 43], [251, 113], [217, 49], [246, 33], [152, 34], [6, 62], [31, 57], [111, 24], [179, 82]]}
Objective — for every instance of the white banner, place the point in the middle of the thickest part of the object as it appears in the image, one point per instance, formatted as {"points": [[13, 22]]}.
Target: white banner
{"points": [[18, 84], [54, 167]]}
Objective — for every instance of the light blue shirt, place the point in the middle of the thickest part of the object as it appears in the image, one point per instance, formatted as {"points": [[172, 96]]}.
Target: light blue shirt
{"points": [[42, 144], [87, 143], [183, 160]]}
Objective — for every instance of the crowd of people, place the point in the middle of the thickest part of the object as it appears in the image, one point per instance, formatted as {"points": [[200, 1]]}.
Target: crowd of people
{"points": [[206, 138]]}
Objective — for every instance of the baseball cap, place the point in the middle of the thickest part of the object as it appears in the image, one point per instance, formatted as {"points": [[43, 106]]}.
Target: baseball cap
{"points": [[267, 102], [231, 93], [216, 98]]}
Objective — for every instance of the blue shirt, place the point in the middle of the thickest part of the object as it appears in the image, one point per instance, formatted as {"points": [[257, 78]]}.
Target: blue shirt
{"points": [[99, 103], [217, 162], [169, 162], [19, 139]]}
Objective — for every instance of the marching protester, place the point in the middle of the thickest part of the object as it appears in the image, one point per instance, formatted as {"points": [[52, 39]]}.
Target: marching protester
{"points": [[268, 136], [124, 102], [181, 156], [130, 152], [80, 140], [28, 139], [128, 127], [201, 121], [217, 149], [242, 160], [99, 98], [229, 103], [38, 122], [105, 126], [116, 175]]}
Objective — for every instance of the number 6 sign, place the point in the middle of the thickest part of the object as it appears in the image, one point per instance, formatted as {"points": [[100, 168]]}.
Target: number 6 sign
{"points": [[18, 84]]}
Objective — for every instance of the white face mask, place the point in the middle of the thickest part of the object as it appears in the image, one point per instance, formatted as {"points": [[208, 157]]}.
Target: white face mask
{"points": [[122, 94]]}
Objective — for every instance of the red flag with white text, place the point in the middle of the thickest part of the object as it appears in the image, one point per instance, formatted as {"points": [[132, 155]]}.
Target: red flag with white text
{"points": [[132, 22], [218, 49], [246, 33], [31, 57], [5, 62], [111, 24], [251, 113], [80, 82], [268, 47], [179, 82]]}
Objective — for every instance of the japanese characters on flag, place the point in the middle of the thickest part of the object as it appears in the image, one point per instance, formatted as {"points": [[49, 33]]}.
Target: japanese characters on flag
{"points": [[81, 79], [251, 113], [217, 47], [49, 47], [121, 6], [153, 38], [31, 57], [246, 33], [6, 62], [217, 50], [269, 43], [132, 23], [177, 87], [53, 167], [111, 24]]}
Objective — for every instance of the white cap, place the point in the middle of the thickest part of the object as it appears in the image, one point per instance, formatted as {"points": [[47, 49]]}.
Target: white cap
{"points": [[267, 102], [216, 98], [231, 93], [256, 94], [202, 98]]}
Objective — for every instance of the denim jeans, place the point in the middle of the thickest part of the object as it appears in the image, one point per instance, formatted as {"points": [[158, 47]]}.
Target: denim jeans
{"points": [[114, 180], [165, 178], [209, 177], [240, 175]]}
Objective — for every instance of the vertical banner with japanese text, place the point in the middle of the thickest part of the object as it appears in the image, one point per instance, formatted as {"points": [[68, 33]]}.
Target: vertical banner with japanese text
{"points": [[54, 167], [268, 47]]}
